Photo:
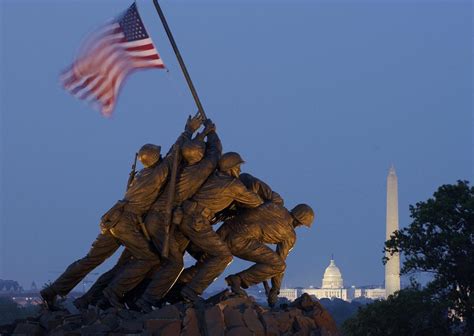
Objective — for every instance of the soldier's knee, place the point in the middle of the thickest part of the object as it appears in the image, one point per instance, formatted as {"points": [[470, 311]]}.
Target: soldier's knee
{"points": [[280, 266], [227, 259]]}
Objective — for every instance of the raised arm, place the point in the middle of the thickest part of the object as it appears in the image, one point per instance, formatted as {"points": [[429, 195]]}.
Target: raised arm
{"points": [[213, 144], [244, 197], [192, 124], [261, 188]]}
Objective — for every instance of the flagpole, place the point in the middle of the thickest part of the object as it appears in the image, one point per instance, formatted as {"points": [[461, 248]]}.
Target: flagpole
{"points": [[180, 59]]}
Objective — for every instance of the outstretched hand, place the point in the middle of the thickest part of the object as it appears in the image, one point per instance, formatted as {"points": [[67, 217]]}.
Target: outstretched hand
{"points": [[193, 123], [209, 126]]}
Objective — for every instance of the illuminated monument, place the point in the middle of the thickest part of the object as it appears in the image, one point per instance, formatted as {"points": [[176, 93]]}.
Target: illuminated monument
{"points": [[333, 288], [332, 283], [332, 276], [392, 268]]}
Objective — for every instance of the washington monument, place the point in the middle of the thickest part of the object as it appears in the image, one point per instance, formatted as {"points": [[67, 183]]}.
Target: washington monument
{"points": [[392, 268]]}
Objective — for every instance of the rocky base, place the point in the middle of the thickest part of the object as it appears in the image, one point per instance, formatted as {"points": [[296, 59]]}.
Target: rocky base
{"points": [[223, 314]]}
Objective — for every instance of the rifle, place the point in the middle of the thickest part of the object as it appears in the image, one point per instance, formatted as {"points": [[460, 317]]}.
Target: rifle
{"points": [[169, 202], [133, 172]]}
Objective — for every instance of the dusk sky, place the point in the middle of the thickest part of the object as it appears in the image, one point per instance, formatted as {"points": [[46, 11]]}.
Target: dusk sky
{"points": [[319, 97]]}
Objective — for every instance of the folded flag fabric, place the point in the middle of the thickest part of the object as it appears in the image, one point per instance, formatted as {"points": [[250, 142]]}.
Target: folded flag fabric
{"points": [[107, 57]]}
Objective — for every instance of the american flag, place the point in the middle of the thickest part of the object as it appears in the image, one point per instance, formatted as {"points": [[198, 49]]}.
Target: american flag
{"points": [[107, 57]]}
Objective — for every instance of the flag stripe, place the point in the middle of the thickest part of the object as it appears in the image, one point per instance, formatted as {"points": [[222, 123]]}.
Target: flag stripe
{"points": [[142, 47]]}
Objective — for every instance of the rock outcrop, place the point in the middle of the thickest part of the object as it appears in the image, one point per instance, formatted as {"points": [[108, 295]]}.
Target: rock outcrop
{"points": [[223, 314]]}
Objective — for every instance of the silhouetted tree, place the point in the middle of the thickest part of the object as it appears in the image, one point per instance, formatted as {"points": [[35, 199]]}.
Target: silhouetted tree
{"points": [[409, 312], [340, 310], [440, 240]]}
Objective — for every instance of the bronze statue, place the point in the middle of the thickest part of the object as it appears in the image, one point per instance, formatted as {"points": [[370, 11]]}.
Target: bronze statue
{"points": [[247, 236], [218, 192], [249, 230], [169, 207], [120, 226], [200, 160]]}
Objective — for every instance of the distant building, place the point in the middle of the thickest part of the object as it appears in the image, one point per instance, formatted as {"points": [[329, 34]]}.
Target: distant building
{"points": [[289, 293], [332, 285], [392, 267], [10, 286], [370, 293], [12, 289], [33, 287], [333, 288], [332, 277], [375, 293]]}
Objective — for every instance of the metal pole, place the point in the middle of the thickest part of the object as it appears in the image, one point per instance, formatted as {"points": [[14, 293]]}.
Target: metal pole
{"points": [[180, 59]]}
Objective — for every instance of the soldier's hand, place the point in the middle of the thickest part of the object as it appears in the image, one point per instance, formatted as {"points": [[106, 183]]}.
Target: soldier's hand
{"points": [[209, 126], [193, 123], [273, 297], [177, 216]]}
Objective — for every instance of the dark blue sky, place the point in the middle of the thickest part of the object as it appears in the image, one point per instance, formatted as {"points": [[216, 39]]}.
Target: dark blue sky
{"points": [[319, 97]]}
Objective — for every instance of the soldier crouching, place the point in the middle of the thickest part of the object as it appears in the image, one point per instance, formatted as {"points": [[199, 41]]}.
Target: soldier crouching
{"points": [[247, 236], [218, 192]]}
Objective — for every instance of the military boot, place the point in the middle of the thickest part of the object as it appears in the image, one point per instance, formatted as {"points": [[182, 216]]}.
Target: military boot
{"points": [[144, 305], [49, 296], [190, 295], [81, 303], [235, 284], [113, 298]]}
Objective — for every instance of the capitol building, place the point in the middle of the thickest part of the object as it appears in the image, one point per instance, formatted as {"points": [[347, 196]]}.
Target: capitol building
{"points": [[333, 288]]}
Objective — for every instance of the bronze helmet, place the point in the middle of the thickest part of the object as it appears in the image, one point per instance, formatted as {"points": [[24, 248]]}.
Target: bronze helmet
{"points": [[229, 160], [303, 214], [193, 151], [149, 154]]}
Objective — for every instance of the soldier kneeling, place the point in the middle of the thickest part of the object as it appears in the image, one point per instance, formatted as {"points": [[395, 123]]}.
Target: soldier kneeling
{"points": [[247, 236]]}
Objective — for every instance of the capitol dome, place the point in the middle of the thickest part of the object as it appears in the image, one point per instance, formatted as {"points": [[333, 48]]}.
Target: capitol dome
{"points": [[332, 276]]}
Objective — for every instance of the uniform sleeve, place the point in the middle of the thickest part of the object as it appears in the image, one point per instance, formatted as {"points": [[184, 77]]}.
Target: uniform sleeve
{"points": [[277, 199], [245, 197], [282, 249], [152, 179], [261, 188], [192, 177], [213, 148]]}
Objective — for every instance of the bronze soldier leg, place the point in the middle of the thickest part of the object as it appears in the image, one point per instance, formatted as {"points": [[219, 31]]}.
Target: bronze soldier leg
{"points": [[174, 294], [94, 294], [103, 247], [267, 262], [144, 259], [188, 273], [200, 233], [166, 275]]}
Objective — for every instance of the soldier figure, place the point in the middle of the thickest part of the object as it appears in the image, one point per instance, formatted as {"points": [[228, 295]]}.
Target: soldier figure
{"points": [[200, 160], [121, 226], [248, 232], [247, 236], [218, 192]]}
